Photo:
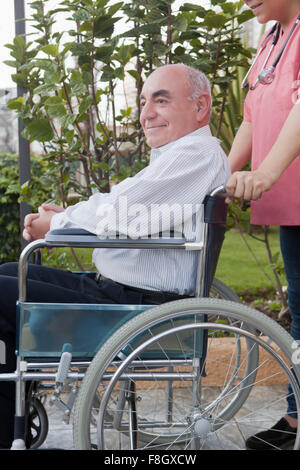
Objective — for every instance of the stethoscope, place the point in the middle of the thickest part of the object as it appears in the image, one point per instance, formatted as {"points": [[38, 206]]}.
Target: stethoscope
{"points": [[267, 75]]}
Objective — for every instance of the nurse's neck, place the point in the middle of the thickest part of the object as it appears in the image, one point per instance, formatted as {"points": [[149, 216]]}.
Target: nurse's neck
{"points": [[289, 14]]}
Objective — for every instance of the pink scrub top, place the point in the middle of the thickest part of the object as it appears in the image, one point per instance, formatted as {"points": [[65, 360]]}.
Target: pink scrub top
{"points": [[267, 108]]}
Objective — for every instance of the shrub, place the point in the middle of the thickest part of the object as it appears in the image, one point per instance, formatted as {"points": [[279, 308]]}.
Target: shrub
{"points": [[10, 196]]}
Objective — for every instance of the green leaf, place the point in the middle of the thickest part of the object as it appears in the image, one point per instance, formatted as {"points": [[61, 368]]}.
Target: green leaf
{"points": [[104, 52], [85, 104], [16, 103], [192, 7], [108, 74], [134, 74], [69, 136], [126, 112], [19, 44], [87, 2], [46, 88], [83, 48], [114, 8], [66, 48], [67, 120], [55, 107], [11, 63], [104, 26], [104, 166], [84, 61], [77, 88], [229, 8], [45, 64], [214, 20], [246, 15], [53, 78], [50, 49], [124, 53], [144, 29], [101, 3], [181, 23], [81, 15], [39, 130], [86, 78]]}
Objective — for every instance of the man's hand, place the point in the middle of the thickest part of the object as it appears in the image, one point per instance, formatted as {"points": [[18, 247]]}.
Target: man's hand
{"points": [[37, 225], [247, 185]]}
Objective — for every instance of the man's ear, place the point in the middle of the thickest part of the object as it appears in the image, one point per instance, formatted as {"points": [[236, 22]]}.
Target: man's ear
{"points": [[203, 105]]}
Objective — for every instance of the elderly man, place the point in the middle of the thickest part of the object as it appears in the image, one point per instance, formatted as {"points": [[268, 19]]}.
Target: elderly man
{"points": [[186, 162]]}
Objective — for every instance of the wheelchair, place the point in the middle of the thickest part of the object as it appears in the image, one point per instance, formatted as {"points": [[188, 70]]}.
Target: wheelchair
{"points": [[188, 374]]}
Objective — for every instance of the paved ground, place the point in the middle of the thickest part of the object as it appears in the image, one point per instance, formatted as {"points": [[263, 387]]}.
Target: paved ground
{"points": [[60, 434]]}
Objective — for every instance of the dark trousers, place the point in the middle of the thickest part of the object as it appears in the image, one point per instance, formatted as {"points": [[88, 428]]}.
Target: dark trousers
{"points": [[54, 286], [290, 249]]}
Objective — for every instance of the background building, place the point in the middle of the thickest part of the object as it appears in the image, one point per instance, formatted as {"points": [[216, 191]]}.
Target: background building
{"points": [[8, 122]]}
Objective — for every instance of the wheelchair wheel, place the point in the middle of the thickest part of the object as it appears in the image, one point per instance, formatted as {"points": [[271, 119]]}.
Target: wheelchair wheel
{"points": [[222, 291], [207, 405], [38, 423]]}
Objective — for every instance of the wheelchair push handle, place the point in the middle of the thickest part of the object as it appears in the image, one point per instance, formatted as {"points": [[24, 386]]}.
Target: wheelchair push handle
{"points": [[219, 191]]}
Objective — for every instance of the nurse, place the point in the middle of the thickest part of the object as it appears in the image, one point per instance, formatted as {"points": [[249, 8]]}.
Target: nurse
{"points": [[270, 136]]}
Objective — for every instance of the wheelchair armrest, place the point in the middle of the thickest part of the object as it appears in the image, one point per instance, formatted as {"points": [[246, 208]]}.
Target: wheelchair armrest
{"points": [[78, 238], [82, 238]]}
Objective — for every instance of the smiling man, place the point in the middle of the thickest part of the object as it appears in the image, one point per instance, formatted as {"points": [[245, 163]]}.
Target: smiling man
{"points": [[186, 163], [169, 109]]}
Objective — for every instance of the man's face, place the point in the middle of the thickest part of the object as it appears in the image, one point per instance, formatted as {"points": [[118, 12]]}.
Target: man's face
{"points": [[166, 112]]}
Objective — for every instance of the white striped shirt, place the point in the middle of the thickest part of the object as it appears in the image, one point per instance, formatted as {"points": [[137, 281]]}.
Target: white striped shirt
{"points": [[180, 174]]}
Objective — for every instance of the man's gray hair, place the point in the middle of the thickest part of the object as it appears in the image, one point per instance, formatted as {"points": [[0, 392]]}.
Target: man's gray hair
{"points": [[198, 81]]}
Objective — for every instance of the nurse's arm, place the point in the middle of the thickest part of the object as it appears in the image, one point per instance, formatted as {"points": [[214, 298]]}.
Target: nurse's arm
{"points": [[239, 155], [241, 149], [251, 184]]}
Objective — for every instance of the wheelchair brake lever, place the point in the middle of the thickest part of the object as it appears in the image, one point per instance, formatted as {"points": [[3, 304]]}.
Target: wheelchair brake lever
{"points": [[61, 381]]}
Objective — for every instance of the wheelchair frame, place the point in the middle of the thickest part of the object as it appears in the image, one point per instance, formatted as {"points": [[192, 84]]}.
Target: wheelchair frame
{"points": [[208, 244]]}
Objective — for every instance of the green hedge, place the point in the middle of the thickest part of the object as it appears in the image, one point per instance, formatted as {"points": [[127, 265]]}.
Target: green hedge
{"points": [[10, 196]]}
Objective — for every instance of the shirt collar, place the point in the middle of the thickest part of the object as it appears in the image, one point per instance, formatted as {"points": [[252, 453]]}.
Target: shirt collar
{"points": [[202, 131]]}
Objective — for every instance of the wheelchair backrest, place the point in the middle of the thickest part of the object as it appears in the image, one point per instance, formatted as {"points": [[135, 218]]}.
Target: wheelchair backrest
{"points": [[215, 211]]}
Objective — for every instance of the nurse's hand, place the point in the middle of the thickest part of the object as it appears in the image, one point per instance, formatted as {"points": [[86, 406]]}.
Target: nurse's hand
{"points": [[247, 185]]}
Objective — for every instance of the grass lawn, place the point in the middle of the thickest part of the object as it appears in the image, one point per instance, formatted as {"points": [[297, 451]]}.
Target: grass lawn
{"points": [[237, 267], [78, 259]]}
